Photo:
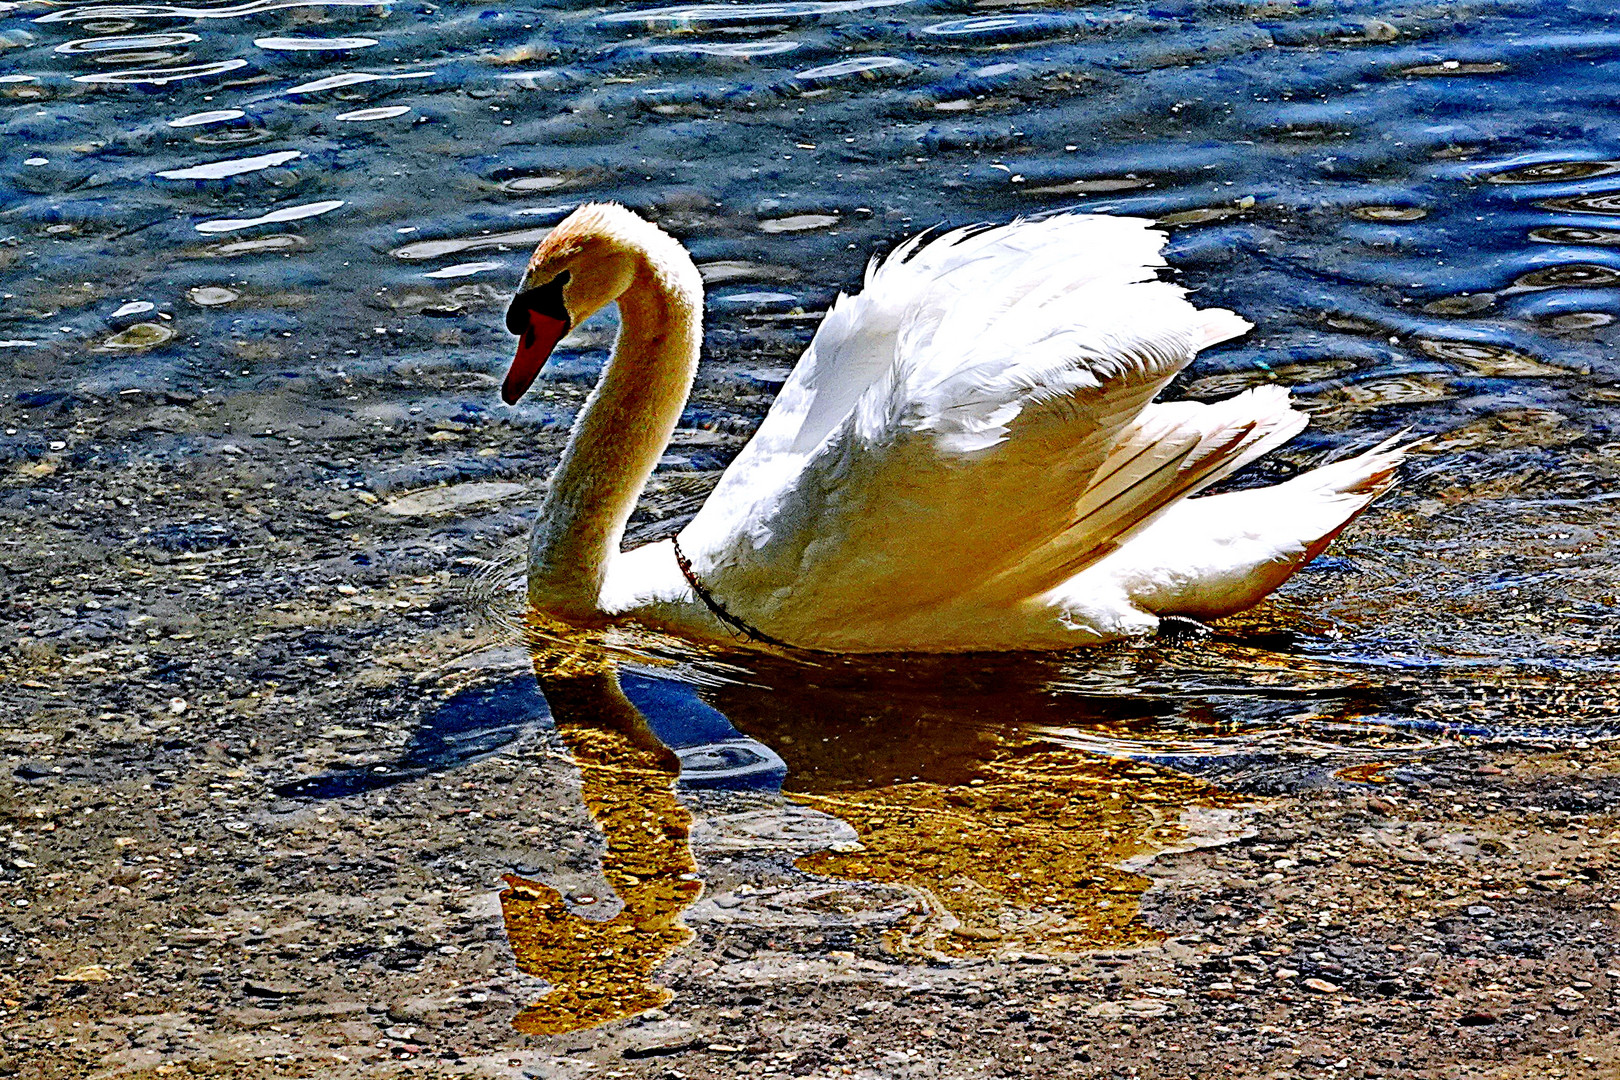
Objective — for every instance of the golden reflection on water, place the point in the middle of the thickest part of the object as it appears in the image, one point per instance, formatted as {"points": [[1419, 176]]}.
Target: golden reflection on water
{"points": [[1026, 857], [1009, 839], [602, 970]]}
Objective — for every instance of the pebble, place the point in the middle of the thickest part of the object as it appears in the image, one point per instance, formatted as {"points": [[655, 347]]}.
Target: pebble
{"points": [[445, 499], [797, 223], [141, 336], [88, 973], [678, 1044], [212, 295], [265, 988]]}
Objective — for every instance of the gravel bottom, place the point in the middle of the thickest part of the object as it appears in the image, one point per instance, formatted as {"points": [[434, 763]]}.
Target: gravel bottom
{"points": [[199, 623]]}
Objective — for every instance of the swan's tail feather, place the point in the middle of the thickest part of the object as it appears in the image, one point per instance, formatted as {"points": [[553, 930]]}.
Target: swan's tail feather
{"points": [[1358, 480], [1278, 423], [1168, 453], [1210, 557], [1370, 472], [1220, 325]]}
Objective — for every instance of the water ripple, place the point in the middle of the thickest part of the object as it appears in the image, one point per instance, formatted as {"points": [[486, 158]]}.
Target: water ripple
{"points": [[381, 112], [862, 67], [162, 76], [303, 44], [286, 213], [175, 11], [212, 116], [744, 50], [116, 42], [219, 170], [711, 14]]}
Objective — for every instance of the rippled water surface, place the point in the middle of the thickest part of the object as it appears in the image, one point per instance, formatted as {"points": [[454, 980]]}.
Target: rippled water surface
{"points": [[1417, 205], [1419, 208]]}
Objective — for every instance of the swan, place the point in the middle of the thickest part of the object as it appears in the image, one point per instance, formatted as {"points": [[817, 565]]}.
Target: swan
{"points": [[968, 456]]}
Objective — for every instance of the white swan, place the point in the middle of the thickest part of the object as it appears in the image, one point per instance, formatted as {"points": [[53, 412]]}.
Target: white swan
{"points": [[967, 457]]}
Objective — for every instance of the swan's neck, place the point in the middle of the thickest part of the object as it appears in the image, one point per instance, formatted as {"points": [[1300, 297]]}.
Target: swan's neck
{"points": [[618, 438]]}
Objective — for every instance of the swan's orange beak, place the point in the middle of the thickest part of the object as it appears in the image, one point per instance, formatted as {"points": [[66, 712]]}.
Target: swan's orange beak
{"points": [[534, 349], [539, 318]]}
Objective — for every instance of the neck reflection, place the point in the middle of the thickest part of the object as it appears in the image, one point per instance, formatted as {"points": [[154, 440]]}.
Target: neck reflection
{"points": [[602, 970]]}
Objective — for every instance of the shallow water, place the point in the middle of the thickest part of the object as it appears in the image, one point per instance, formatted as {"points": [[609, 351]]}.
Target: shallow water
{"points": [[1419, 208]]}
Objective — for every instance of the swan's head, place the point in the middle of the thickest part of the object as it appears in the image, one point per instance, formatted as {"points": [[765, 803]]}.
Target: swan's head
{"points": [[582, 265]]}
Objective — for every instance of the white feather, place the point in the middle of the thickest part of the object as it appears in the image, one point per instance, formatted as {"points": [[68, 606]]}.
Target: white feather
{"points": [[968, 456]]}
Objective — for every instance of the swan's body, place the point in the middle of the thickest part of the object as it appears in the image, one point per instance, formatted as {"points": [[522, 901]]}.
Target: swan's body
{"points": [[967, 457]]}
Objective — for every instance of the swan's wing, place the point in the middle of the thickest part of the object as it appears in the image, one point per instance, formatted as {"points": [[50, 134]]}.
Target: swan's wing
{"points": [[1213, 556], [951, 421], [919, 284], [1167, 453]]}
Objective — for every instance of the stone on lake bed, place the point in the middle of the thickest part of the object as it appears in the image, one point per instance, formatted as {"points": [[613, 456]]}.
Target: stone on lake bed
{"points": [[277, 242], [442, 500], [266, 988], [212, 295], [727, 270], [536, 183], [86, 973], [1133, 1007], [1389, 213], [145, 335], [660, 1047], [1321, 986]]}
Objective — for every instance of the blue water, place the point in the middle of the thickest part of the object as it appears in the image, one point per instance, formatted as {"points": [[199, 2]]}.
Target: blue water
{"points": [[1300, 136], [480, 722]]}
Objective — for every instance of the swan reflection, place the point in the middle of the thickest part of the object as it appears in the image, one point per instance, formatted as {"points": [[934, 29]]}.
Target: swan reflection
{"points": [[950, 785]]}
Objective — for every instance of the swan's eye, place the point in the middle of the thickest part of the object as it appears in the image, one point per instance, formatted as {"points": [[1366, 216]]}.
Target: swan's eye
{"points": [[544, 300]]}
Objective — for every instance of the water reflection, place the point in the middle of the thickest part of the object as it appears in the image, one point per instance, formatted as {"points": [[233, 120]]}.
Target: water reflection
{"points": [[963, 806], [285, 213], [1013, 841], [162, 76], [600, 970], [1014, 811], [221, 170]]}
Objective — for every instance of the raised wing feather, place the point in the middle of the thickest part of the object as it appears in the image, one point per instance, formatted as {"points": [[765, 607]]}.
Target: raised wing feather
{"points": [[1166, 454], [919, 285], [946, 425]]}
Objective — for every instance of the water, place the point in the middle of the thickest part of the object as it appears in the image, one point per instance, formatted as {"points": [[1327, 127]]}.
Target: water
{"points": [[1385, 193], [1419, 208]]}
